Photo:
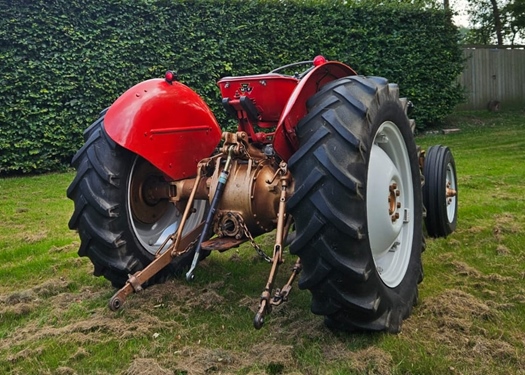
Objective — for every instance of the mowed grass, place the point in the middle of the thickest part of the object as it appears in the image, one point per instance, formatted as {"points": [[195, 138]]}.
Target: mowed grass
{"points": [[470, 319]]}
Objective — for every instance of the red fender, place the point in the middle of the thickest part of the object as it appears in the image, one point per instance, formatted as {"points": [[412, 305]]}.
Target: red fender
{"points": [[285, 141], [167, 124]]}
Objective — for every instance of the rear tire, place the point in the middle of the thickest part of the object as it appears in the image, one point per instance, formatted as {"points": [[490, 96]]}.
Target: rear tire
{"points": [[361, 262], [119, 229], [440, 174]]}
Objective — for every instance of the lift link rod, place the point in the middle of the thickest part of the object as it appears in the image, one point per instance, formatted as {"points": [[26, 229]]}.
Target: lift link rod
{"points": [[223, 178], [281, 295], [178, 246], [264, 304]]}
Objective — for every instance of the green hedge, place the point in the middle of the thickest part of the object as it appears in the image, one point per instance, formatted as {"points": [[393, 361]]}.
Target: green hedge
{"points": [[62, 61]]}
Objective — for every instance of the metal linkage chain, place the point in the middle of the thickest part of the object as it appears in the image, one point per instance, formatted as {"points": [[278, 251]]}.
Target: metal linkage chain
{"points": [[257, 248]]}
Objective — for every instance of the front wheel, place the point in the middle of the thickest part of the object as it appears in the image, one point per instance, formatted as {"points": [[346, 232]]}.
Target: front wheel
{"points": [[440, 191], [357, 205], [120, 220]]}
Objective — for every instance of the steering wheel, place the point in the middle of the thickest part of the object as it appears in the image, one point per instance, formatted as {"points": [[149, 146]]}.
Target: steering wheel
{"points": [[292, 65], [317, 61]]}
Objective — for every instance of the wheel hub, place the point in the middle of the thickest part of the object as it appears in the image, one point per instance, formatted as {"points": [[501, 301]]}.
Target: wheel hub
{"points": [[390, 199], [384, 201], [393, 204], [148, 193], [153, 217], [451, 193]]}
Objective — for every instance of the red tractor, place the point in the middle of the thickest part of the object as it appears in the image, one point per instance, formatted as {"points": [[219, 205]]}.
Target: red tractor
{"points": [[325, 159]]}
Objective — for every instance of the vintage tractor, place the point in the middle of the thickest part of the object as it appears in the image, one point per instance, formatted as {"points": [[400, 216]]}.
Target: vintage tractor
{"points": [[325, 159]]}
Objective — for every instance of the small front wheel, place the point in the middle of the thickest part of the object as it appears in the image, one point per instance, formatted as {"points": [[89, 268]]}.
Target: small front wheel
{"points": [[440, 192]]}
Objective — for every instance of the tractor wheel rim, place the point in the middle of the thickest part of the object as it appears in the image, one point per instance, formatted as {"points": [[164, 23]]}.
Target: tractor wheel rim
{"points": [[390, 204], [153, 222], [451, 200]]}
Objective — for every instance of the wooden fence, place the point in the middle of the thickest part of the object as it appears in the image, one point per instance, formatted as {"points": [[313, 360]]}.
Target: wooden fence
{"points": [[493, 74]]}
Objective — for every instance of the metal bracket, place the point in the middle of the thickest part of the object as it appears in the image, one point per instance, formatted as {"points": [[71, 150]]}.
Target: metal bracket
{"points": [[265, 303], [135, 282]]}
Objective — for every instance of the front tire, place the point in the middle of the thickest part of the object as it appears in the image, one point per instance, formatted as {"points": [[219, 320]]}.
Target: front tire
{"points": [[440, 192], [120, 227], [357, 205]]}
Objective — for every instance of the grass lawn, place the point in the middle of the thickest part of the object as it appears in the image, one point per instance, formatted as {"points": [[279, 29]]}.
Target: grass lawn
{"points": [[470, 319]]}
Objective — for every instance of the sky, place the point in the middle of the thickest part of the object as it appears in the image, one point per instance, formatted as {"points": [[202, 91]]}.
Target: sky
{"points": [[460, 7]]}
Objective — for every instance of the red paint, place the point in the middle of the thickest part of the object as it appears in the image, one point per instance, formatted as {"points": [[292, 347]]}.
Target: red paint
{"points": [[285, 141], [167, 124], [268, 92]]}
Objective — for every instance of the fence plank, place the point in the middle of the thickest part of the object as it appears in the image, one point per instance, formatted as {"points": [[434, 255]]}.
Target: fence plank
{"points": [[493, 74]]}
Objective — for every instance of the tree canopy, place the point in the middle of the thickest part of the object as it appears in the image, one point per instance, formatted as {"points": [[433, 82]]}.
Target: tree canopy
{"points": [[496, 22]]}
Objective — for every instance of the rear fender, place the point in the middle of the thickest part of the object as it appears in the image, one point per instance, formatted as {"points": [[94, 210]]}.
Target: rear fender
{"points": [[285, 141], [167, 124]]}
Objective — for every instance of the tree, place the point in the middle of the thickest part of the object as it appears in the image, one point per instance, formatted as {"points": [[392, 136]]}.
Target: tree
{"points": [[496, 21], [516, 12]]}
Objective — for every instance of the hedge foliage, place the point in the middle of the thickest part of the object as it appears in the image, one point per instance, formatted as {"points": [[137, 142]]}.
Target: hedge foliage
{"points": [[62, 61]]}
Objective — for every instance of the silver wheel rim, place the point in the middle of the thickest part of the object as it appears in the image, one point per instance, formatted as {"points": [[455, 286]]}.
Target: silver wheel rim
{"points": [[390, 204], [451, 200], [153, 234]]}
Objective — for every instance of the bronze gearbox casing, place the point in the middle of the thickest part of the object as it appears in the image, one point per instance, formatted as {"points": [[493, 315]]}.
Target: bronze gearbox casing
{"points": [[250, 199], [251, 196]]}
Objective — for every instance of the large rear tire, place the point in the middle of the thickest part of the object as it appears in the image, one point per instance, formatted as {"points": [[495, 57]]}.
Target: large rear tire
{"points": [[357, 205], [120, 228]]}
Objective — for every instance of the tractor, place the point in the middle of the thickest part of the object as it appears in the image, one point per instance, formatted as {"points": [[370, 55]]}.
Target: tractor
{"points": [[324, 159]]}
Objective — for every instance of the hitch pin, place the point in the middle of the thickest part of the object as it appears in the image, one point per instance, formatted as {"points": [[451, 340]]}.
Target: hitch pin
{"points": [[223, 178], [281, 295]]}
